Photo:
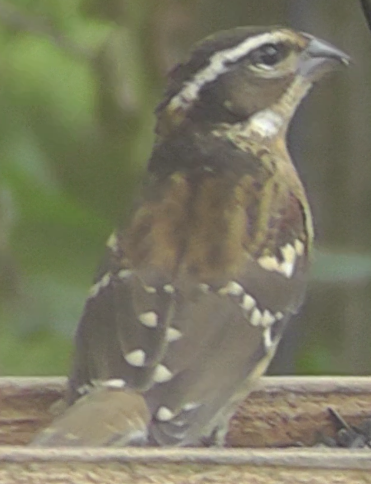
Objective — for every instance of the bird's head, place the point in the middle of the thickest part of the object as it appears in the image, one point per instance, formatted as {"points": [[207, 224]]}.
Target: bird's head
{"points": [[234, 74]]}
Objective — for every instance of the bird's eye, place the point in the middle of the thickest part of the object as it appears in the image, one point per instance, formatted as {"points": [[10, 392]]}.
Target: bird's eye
{"points": [[268, 55]]}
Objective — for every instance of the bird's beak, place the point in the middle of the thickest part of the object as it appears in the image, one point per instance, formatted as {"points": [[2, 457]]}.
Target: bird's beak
{"points": [[320, 57]]}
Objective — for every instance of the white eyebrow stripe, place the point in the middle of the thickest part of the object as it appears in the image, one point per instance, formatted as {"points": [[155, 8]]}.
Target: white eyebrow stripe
{"points": [[218, 65]]}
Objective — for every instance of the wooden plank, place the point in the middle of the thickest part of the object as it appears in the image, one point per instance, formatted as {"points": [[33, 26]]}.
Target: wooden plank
{"points": [[181, 466], [286, 411], [282, 411]]}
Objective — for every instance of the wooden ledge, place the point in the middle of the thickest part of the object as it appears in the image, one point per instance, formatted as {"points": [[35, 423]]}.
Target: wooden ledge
{"points": [[183, 466], [305, 458], [280, 413]]}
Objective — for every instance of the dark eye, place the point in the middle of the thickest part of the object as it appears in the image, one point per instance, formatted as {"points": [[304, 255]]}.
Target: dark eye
{"points": [[268, 55]]}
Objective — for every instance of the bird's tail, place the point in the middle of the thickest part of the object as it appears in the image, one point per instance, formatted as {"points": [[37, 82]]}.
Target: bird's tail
{"points": [[107, 415]]}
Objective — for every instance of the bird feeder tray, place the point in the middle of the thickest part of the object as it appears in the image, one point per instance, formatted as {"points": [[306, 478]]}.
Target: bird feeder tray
{"points": [[270, 440]]}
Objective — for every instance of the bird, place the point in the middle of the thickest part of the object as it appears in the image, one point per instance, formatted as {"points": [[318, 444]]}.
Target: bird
{"points": [[195, 292]]}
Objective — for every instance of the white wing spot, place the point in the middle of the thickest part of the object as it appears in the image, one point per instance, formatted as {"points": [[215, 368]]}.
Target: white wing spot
{"points": [[268, 343], [149, 319], [248, 302], [70, 436], [112, 242], [267, 318], [169, 288], [256, 317], [173, 334], [103, 282], [279, 316], [114, 383], [287, 266], [299, 247], [136, 358], [84, 389], [191, 406], [269, 263], [162, 374], [208, 169], [233, 288], [180, 423], [164, 414], [204, 287], [289, 253], [93, 291], [150, 289], [124, 274]]}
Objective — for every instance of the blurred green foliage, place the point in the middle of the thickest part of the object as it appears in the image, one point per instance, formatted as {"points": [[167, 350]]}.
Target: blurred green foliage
{"points": [[75, 130], [79, 80]]}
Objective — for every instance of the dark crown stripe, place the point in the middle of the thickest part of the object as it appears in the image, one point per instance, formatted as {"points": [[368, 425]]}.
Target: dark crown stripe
{"points": [[219, 63]]}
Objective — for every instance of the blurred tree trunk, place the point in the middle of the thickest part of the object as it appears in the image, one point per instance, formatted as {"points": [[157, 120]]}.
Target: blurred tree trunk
{"points": [[335, 131], [240, 12]]}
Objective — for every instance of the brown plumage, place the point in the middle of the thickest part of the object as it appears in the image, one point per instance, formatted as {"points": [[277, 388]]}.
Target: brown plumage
{"points": [[197, 290]]}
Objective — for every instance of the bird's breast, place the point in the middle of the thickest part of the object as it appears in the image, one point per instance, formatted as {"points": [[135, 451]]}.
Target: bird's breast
{"points": [[197, 226]]}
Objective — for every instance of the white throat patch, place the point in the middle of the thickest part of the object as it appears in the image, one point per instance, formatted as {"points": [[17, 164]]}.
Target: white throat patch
{"points": [[274, 121], [266, 123]]}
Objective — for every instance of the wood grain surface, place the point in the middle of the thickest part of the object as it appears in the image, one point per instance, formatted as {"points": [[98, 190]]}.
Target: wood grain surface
{"points": [[281, 418]]}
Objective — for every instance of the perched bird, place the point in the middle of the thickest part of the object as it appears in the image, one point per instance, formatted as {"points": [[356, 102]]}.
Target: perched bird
{"points": [[196, 292]]}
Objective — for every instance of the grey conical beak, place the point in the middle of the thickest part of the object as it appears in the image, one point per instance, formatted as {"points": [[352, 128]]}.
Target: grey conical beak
{"points": [[320, 57]]}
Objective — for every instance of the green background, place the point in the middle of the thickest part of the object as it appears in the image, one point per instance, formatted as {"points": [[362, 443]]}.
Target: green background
{"points": [[79, 80]]}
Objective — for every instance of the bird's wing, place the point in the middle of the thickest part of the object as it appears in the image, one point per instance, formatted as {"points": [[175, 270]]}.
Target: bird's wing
{"points": [[229, 331], [107, 415], [123, 332]]}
